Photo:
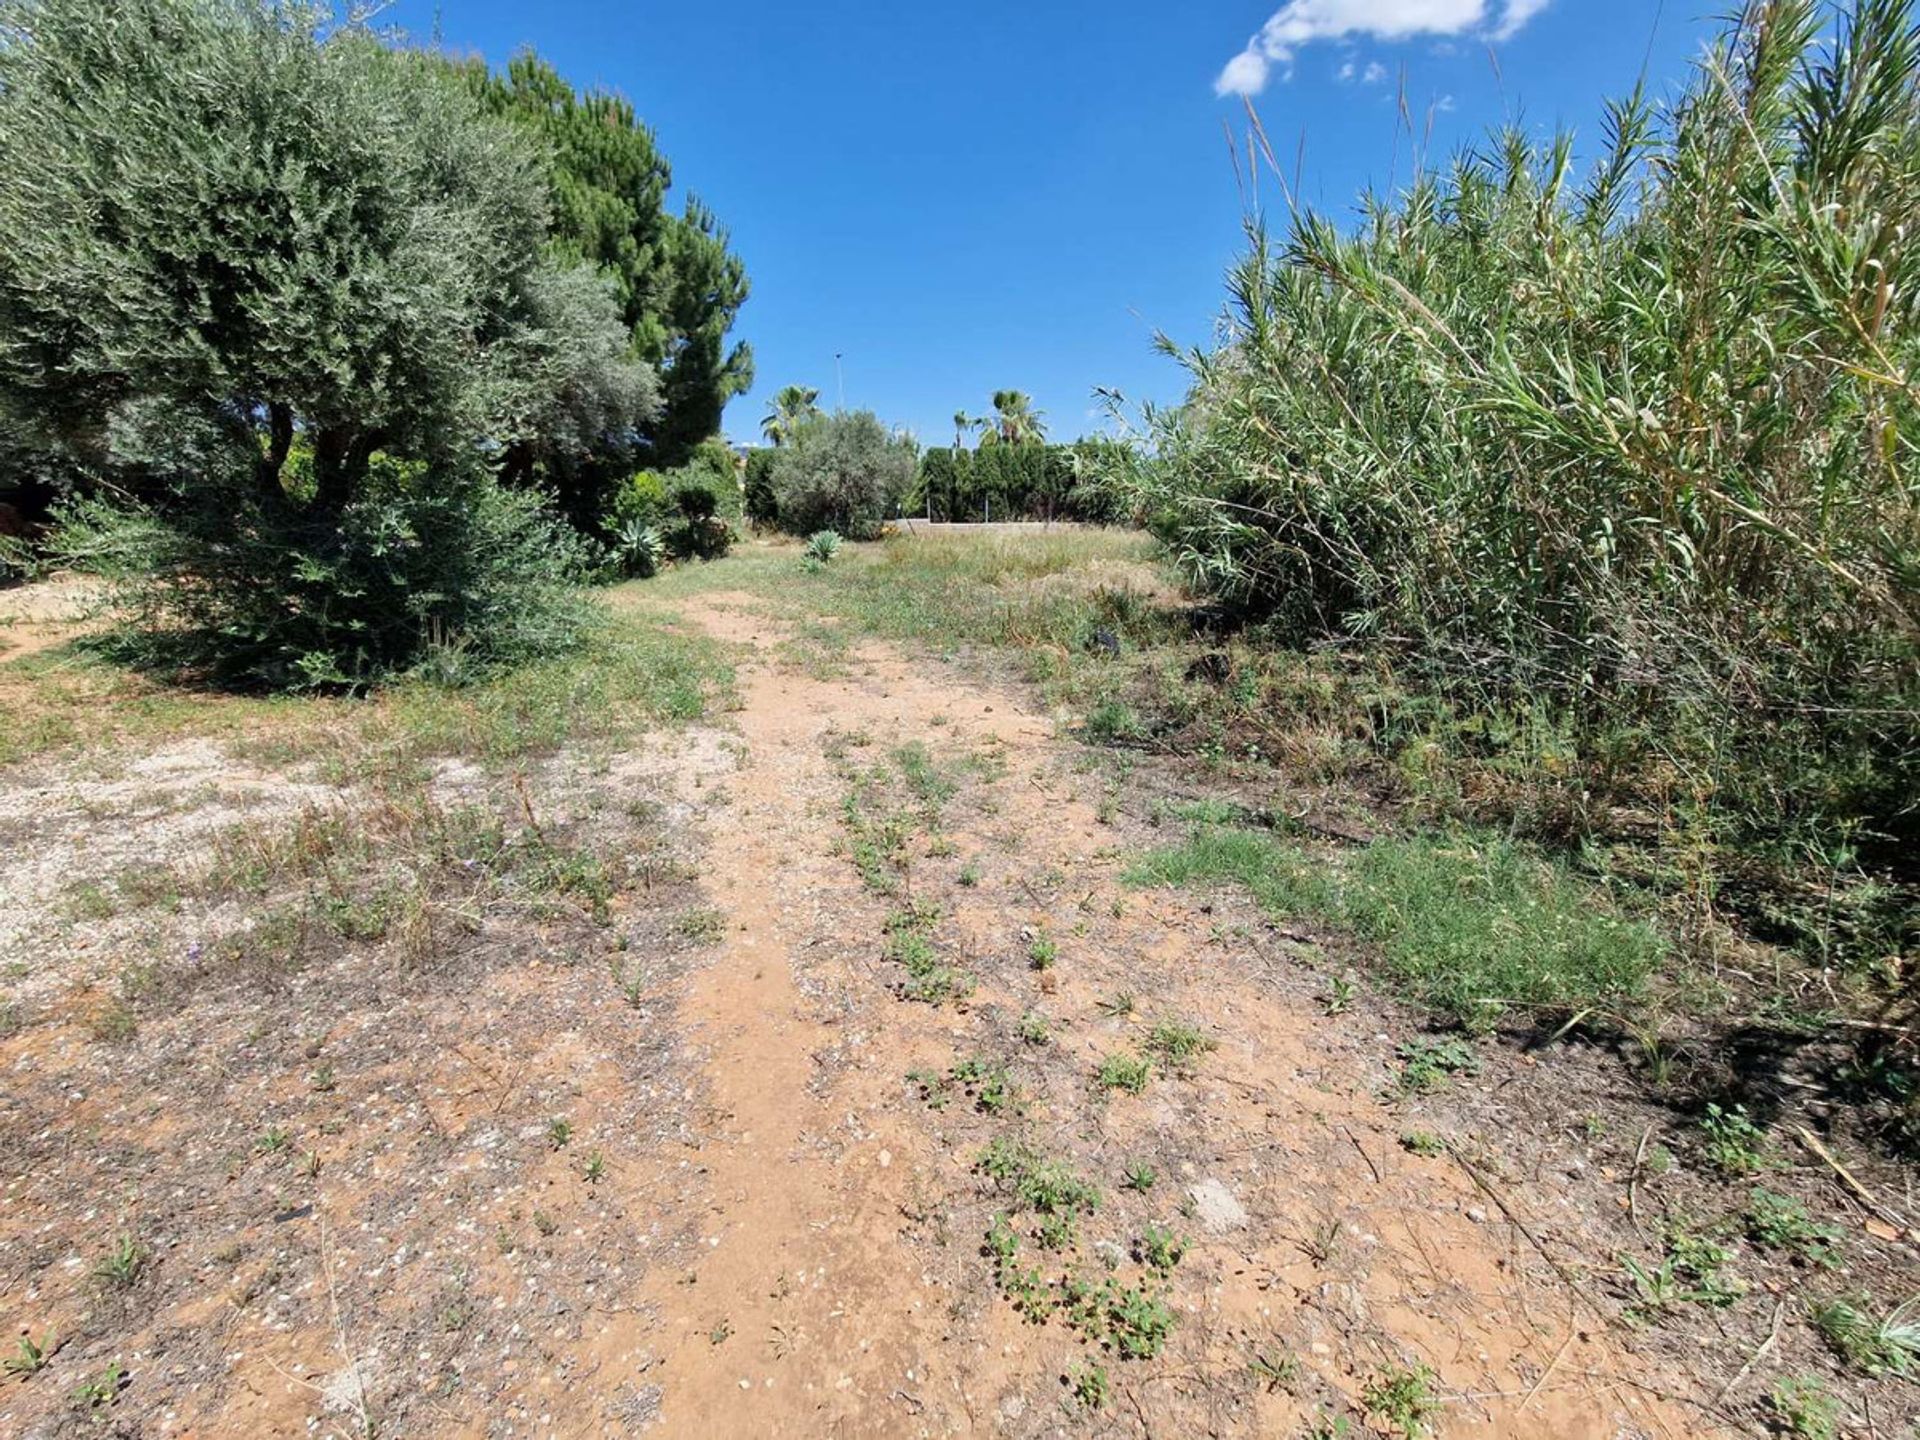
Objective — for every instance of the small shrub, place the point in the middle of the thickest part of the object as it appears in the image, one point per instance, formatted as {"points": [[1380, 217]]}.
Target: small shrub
{"points": [[1124, 1072], [1804, 1409], [843, 473], [822, 546], [220, 584], [1734, 1144], [1887, 1346], [1403, 1398], [1426, 1065], [1782, 1223]]}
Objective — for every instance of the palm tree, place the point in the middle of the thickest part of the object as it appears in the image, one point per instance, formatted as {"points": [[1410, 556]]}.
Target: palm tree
{"points": [[962, 423], [1014, 420], [792, 408]]}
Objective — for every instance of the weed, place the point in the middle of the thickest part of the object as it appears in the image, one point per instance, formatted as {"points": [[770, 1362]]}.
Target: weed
{"points": [[969, 875], [545, 1223], [1042, 952], [595, 1170], [1691, 1271], [1426, 1065], [1734, 1144], [322, 1080], [121, 1266], [1140, 1177], [1057, 1232], [721, 1332], [1178, 1044], [700, 927], [989, 1084], [1124, 1072], [559, 1134], [1089, 1386], [1887, 1346], [103, 1389], [1403, 1398], [1272, 1374], [1159, 1248], [1137, 1322], [1782, 1223], [1339, 997], [274, 1142], [1424, 1143], [113, 1022], [1034, 1029], [1047, 1186], [1329, 1427], [30, 1356], [1804, 1409], [932, 1087]]}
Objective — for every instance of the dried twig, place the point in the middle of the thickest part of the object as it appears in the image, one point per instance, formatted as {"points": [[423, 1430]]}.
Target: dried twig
{"points": [[1633, 1180], [1514, 1220], [1860, 1192], [1766, 1349]]}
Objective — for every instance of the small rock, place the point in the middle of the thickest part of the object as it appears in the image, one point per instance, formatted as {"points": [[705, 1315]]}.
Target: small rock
{"points": [[1476, 1215]]}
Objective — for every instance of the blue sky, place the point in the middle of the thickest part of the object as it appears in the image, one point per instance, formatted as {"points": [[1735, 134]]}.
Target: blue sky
{"points": [[1019, 193]]}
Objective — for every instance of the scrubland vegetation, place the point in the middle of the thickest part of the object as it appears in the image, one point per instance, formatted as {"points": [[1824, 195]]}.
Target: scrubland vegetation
{"points": [[1607, 475], [1485, 708]]}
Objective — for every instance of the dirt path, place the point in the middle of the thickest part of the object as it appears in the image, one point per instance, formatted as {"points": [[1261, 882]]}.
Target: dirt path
{"points": [[834, 1283]]}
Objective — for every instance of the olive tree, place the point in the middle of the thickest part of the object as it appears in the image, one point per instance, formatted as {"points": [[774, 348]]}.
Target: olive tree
{"points": [[844, 473], [245, 251]]}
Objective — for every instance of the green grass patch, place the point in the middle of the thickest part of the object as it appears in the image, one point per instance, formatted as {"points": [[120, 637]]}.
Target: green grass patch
{"points": [[1472, 927]]}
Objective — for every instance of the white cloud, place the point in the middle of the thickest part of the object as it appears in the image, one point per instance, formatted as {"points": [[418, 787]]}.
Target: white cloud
{"points": [[1301, 22], [1346, 71], [1376, 72], [1515, 15]]}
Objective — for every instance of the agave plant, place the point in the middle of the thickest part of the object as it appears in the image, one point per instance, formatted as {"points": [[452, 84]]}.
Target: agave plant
{"points": [[637, 550], [823, 546]]}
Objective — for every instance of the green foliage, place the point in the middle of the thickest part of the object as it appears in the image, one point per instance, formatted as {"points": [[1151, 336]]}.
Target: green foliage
{"points": [[1635, 451], [1782, 1223], [1472, 926], [792, 409], [1887, 1346], [1734, 1144], [1403, 1398], [1124, 1072], [1804, 1409], [759, 502], [1026, 479], [288, 290], [420, 565], [678, 286], [844, 473], [822, 546], [1089, 1386], [1426, 1065]]}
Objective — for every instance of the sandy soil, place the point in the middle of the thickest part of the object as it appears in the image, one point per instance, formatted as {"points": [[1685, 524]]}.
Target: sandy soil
{"points": [[779, 1235]]}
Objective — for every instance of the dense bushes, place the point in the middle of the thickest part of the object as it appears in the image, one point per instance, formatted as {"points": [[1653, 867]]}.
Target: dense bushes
{"points": [[844, 473], [290, 291], [1020, 481], [1627, 462], [423, 560]]}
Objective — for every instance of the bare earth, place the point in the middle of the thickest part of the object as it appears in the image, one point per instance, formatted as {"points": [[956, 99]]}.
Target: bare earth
{"points": [[753, 1224]]}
